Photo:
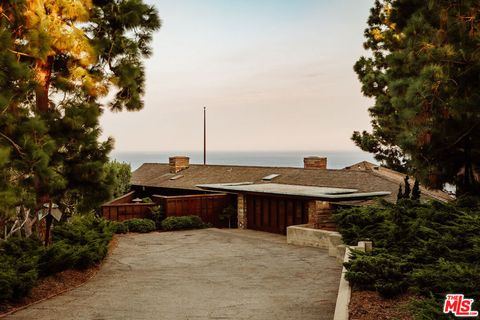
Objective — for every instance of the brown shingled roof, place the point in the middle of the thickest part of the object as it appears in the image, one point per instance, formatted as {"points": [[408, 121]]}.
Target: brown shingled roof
{"points": [[158, 175], [397, 178]]}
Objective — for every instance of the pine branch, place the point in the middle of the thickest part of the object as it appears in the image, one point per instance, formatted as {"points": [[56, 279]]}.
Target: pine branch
{"points": [[16, 146], [466, 133], [20, 53]]}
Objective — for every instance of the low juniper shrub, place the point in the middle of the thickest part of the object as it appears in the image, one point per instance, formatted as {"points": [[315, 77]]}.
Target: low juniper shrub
{"points": [[427, 248], [18, 266], [140, 225], [183, 223], [118, 227]]}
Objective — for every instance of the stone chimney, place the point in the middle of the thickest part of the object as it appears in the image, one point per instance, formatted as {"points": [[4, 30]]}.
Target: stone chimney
{"points": [[315, 163], [178, 163]]}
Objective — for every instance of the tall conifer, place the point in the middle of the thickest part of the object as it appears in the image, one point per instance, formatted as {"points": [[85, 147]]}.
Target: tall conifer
{"points": [[423, 74], [58, 59]]}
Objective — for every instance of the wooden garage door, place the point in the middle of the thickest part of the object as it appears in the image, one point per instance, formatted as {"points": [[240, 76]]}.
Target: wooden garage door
{"points": [[274, 214]]}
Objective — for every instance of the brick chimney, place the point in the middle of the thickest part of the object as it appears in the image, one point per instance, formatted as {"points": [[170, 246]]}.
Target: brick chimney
{"points": [[178, 163], [315, 163]]}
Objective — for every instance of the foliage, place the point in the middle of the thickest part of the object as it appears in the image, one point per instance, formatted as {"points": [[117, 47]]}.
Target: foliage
{"points": [[121, 174], [157, 215], [413, 194], [229, 214], [140, 225], [147, 200], [118, 227], [183, 223], [78, 244], [428, 308], [423, 74], [430, 248], [58, 60], [382, 272], [406, 193], [18, 266], [416, 191]]}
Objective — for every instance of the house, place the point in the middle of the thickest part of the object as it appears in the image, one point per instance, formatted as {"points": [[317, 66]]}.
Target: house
{"points": [[265, 198]]}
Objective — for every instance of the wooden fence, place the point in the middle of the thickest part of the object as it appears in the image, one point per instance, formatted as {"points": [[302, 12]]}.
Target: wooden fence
{"points": [[126, 211], [209, 207]]}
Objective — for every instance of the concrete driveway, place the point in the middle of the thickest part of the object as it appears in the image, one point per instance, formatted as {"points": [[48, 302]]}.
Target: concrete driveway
{"points": [[202, 274]]}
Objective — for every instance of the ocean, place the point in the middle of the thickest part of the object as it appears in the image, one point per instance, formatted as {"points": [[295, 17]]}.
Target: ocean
{"points": [[336, 159]]}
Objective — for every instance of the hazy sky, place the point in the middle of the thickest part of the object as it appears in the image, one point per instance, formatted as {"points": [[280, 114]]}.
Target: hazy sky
{"points": [[273, 74]]}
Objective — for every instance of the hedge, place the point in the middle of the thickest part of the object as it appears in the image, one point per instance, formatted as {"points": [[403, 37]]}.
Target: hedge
{"points": [[140, 225], [431, 249], [77, 244], [183, 223]]}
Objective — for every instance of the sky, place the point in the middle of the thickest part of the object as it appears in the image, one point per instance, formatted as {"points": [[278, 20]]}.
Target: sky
{"points": [[274, 75]]}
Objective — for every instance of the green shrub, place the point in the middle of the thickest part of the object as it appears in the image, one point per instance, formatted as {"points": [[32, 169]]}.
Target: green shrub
{"points": [[428, 308], [446, 277], [78, 244], [429, 248], [18, 266], [140, 225], [83, 230], [183, 223], [378, 271], [118, 227], [157, 215], [147, 200]]}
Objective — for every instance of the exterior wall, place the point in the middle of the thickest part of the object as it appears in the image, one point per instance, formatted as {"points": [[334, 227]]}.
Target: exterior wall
{"points": [[209, 207], [312, 212], [126, 211], [315, 163], [272, 213], [241, 212], [323, 219]]}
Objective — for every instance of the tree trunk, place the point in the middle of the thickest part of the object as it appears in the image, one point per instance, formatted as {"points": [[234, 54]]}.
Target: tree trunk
{"points": [[43, 74], [49, 220]]}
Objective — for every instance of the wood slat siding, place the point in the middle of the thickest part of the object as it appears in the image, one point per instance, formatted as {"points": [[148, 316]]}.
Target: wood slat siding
{"points": [[126, 211], [207, 206], [275, 214]]}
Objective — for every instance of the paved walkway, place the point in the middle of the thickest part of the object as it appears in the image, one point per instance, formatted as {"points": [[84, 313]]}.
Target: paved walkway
{"points": [[202, 274]]}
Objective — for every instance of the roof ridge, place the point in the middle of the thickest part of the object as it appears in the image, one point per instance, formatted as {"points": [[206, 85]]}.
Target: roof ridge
{"points": [[257, 166]]}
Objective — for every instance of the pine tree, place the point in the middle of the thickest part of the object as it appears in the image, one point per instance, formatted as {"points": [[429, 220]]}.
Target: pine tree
{"points": [[58, 59], [423, 75], [416, 191], [406, 194], [399, 193]]}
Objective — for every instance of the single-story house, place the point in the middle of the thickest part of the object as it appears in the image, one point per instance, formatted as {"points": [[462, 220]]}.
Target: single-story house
{"points": [[265, 198]]}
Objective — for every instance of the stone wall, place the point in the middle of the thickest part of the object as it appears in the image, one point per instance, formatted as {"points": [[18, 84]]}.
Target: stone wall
{"points": [[320, 215], [241, 212]]}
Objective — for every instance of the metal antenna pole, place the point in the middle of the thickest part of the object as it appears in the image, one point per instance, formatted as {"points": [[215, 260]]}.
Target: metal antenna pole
{"points": [[204, 135]]}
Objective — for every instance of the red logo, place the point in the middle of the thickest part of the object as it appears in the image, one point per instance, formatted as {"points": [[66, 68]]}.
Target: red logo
{"points": [[459, 306]]}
